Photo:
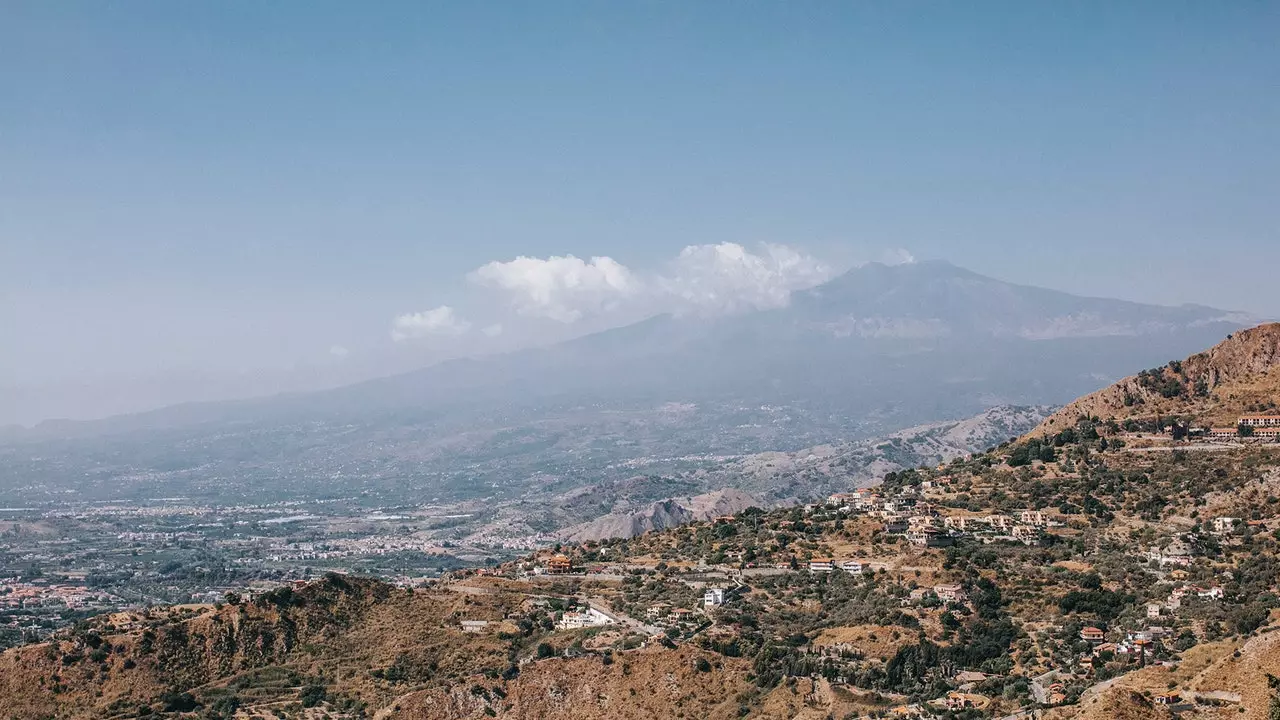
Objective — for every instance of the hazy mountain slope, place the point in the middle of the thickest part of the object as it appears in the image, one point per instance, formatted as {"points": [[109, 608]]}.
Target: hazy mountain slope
{"points": [[869, 353], [818, 471], [938, 299], [925, 326], [1236, 376], [662, 514]]}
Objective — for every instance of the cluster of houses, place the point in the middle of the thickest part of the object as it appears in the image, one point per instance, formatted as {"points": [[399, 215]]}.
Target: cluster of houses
{"points": [[1137, 645], [1260, 427], [1140, 645], [954, 701], [826, 565], [920, 523], [15, 594], [712, 598], [1178, 594]]}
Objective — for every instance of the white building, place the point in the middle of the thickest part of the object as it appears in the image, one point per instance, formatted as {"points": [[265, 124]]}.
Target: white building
{"points": [[713, 597], [1213, 593], [1026, 534], [1225, 525], [590, 617], [853, 567]]}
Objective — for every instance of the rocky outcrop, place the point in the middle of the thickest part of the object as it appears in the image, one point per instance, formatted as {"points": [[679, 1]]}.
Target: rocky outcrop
{"points": [[662, 514]]}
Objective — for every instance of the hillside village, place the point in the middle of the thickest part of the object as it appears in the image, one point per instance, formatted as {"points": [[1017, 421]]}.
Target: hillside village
{"points": [[1180, 599], [1112, 565]]}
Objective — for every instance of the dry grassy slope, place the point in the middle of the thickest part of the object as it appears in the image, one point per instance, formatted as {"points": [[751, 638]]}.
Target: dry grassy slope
{"points": [[1208, 668], [341, 631], [1123, 704], [1246, 675], [1242, 370], [649, 683]]}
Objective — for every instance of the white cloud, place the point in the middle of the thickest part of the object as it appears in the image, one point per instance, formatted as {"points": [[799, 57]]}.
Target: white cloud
{"points": [[726, 278], [339, 351], [711, 279], [437, 321], [564, 289]]}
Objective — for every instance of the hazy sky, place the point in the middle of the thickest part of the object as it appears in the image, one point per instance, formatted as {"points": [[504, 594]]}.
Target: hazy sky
{"points": [[218, 199]]}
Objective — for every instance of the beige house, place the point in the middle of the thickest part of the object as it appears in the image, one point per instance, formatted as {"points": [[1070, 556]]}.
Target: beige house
{"points": [[821, 565]]}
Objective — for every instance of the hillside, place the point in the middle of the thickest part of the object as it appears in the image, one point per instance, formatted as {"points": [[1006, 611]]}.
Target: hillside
{"points": [[351, 648], [774, 478], [814, 473], [989, 616], [1081, 578], [1237, 376]]}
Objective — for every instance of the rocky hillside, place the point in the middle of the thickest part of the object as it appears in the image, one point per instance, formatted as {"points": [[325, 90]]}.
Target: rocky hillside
{"points": [[783, 478], [663, 514], [814, 473], [1241, 374]]}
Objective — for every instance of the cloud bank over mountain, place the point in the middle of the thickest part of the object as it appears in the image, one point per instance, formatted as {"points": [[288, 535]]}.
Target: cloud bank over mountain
{"points": [[705, 280], [563, 289]]}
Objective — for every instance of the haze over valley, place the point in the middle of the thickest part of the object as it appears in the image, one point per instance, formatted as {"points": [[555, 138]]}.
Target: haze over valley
{"points": [[634, 361]]}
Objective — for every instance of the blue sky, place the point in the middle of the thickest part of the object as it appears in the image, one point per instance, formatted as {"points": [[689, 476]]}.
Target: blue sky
{"points": [[222, 194]]}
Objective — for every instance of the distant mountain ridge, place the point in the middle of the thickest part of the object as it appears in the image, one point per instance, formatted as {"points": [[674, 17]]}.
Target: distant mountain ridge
{"points": [[898, 325], [935, 298], [877, 350]]}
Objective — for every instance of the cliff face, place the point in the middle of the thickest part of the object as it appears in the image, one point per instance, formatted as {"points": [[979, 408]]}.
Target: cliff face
{"points": [[1234, 377]]}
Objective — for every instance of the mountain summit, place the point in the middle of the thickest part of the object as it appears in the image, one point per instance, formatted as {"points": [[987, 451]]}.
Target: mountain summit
{"points": [[909, 329], [936, 298]]}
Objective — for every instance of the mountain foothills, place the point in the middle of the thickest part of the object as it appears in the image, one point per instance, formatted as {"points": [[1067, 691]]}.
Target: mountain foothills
{"points": [[1119, 561], [863, 356], [874, 350]]}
